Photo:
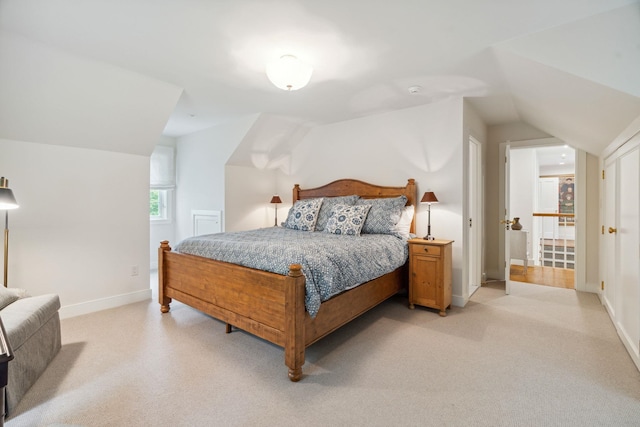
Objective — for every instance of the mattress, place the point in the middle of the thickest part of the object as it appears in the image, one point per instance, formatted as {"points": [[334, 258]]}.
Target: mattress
{"points": [[330, 263]]}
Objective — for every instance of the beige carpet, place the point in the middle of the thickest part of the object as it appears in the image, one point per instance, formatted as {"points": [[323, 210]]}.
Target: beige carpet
{"points": [[539, 357]]}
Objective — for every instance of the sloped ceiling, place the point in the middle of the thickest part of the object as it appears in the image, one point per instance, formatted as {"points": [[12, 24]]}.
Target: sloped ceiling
{"points": [[578, 82], [565, 67], [51, 97]]}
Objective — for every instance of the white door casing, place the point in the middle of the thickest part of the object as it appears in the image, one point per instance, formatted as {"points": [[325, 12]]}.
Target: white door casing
{"points": [[608, 295]]}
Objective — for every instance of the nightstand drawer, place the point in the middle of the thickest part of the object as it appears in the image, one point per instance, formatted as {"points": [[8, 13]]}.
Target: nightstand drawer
{"points": [[429, 250]]}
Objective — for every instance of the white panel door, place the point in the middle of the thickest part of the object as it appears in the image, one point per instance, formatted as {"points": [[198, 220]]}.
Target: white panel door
{"points": [[628, 230], [506, 221]]}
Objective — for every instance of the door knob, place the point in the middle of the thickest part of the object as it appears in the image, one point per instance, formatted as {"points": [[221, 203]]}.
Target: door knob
{"points": [[612, 230]]}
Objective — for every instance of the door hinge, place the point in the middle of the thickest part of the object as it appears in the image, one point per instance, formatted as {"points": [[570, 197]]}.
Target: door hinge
{"points": [[602, 285], [602, 173], [603, 229]]}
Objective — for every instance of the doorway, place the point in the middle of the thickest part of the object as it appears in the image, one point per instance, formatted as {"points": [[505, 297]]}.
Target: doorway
{"points": [[540, 184]]}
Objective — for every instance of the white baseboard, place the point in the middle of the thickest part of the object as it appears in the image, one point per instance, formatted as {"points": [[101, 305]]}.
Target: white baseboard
{"points": [[74, 310], [458, 301], [495, 274], [624, 338]]}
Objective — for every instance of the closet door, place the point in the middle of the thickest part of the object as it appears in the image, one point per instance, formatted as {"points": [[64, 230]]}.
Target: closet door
{"points": [[621, 244], [627, 236]]}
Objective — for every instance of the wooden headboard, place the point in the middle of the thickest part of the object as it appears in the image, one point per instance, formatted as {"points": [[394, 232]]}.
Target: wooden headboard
{"points": [[347, 187]]}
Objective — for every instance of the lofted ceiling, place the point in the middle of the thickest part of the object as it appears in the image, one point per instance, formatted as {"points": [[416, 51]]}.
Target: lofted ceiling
{"points": [[146, 67]]}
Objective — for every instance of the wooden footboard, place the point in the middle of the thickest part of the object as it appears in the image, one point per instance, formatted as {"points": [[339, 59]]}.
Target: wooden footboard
{"points": [[265, 304]]}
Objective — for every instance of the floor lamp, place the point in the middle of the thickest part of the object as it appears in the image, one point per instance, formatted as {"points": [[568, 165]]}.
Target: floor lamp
{"points": [[428, 198], [7, 201], [276, 200]]}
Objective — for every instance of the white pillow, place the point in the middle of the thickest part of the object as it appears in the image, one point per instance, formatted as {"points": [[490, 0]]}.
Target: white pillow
{"points": [[403, 227]]}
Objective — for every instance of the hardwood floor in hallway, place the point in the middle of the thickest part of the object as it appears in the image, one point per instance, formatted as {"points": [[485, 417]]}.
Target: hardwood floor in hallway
{"points": [[548, 276]]}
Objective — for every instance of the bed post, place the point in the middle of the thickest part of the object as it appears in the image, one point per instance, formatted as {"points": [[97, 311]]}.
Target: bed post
{"points": [[412, 190], [294, 322], [296, 193], [163, 300]]}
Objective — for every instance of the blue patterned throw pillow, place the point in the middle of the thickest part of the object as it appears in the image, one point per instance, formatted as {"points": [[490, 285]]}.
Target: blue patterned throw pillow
{"points": [[303, 215], [327, 205], [384, 214], [347, 220]]}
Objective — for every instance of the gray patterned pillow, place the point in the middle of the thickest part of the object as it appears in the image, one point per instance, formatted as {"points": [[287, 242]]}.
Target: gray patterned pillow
{"points": [[327, 204], [303, 215], [384, 214], [347, 220]]}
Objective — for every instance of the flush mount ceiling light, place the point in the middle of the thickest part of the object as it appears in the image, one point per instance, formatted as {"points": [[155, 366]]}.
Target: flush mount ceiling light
{"points": [[289, 73]]}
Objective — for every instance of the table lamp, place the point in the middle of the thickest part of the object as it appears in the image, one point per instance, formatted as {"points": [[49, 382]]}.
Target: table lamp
{"points": [[276, 200], [429, 198]]}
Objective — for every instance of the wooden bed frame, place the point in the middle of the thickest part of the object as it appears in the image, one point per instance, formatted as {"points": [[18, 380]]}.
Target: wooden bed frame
{"points": [[269, 305]]}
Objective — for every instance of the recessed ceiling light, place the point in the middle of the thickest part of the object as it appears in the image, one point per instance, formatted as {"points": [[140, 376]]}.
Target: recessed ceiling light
{"points": [[414, 89]]}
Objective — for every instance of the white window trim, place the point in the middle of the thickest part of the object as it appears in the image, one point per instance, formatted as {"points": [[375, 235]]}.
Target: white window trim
{"points": [[168, 207]]}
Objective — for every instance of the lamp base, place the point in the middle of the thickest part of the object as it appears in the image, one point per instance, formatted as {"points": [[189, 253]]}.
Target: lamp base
{"points": [[429, 237]]}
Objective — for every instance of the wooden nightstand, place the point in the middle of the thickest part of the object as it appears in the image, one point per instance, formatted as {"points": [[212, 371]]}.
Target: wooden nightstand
{"points": [[430, 274]]}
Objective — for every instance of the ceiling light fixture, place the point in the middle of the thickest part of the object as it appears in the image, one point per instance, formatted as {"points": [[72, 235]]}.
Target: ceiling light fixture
{"points": [[289, 73]]}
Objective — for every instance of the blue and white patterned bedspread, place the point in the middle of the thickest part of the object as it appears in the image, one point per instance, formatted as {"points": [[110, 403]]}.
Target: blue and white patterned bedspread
{"points": [[331, 263]]}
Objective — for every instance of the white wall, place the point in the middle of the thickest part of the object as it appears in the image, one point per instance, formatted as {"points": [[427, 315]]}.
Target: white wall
{"points": [[200, 160], [524, 180], [250, 207], [523, 191], [424, 143], [83, 223]]}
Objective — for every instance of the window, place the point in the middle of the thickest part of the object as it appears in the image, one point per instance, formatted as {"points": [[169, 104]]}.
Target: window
{"points": [[158, 206], [162, 182]]}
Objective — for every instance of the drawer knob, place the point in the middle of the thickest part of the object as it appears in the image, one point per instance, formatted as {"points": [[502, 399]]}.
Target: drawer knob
{"points": [[426, 249]]}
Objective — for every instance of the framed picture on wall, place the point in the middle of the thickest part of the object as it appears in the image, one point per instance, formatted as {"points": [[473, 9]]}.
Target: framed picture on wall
{"points": [[566, 198]]}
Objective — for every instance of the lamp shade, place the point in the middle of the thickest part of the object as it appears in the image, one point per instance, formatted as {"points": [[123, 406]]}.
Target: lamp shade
{"points": [[429, 197], [289, 73], [276, 199], [7, 199]]}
